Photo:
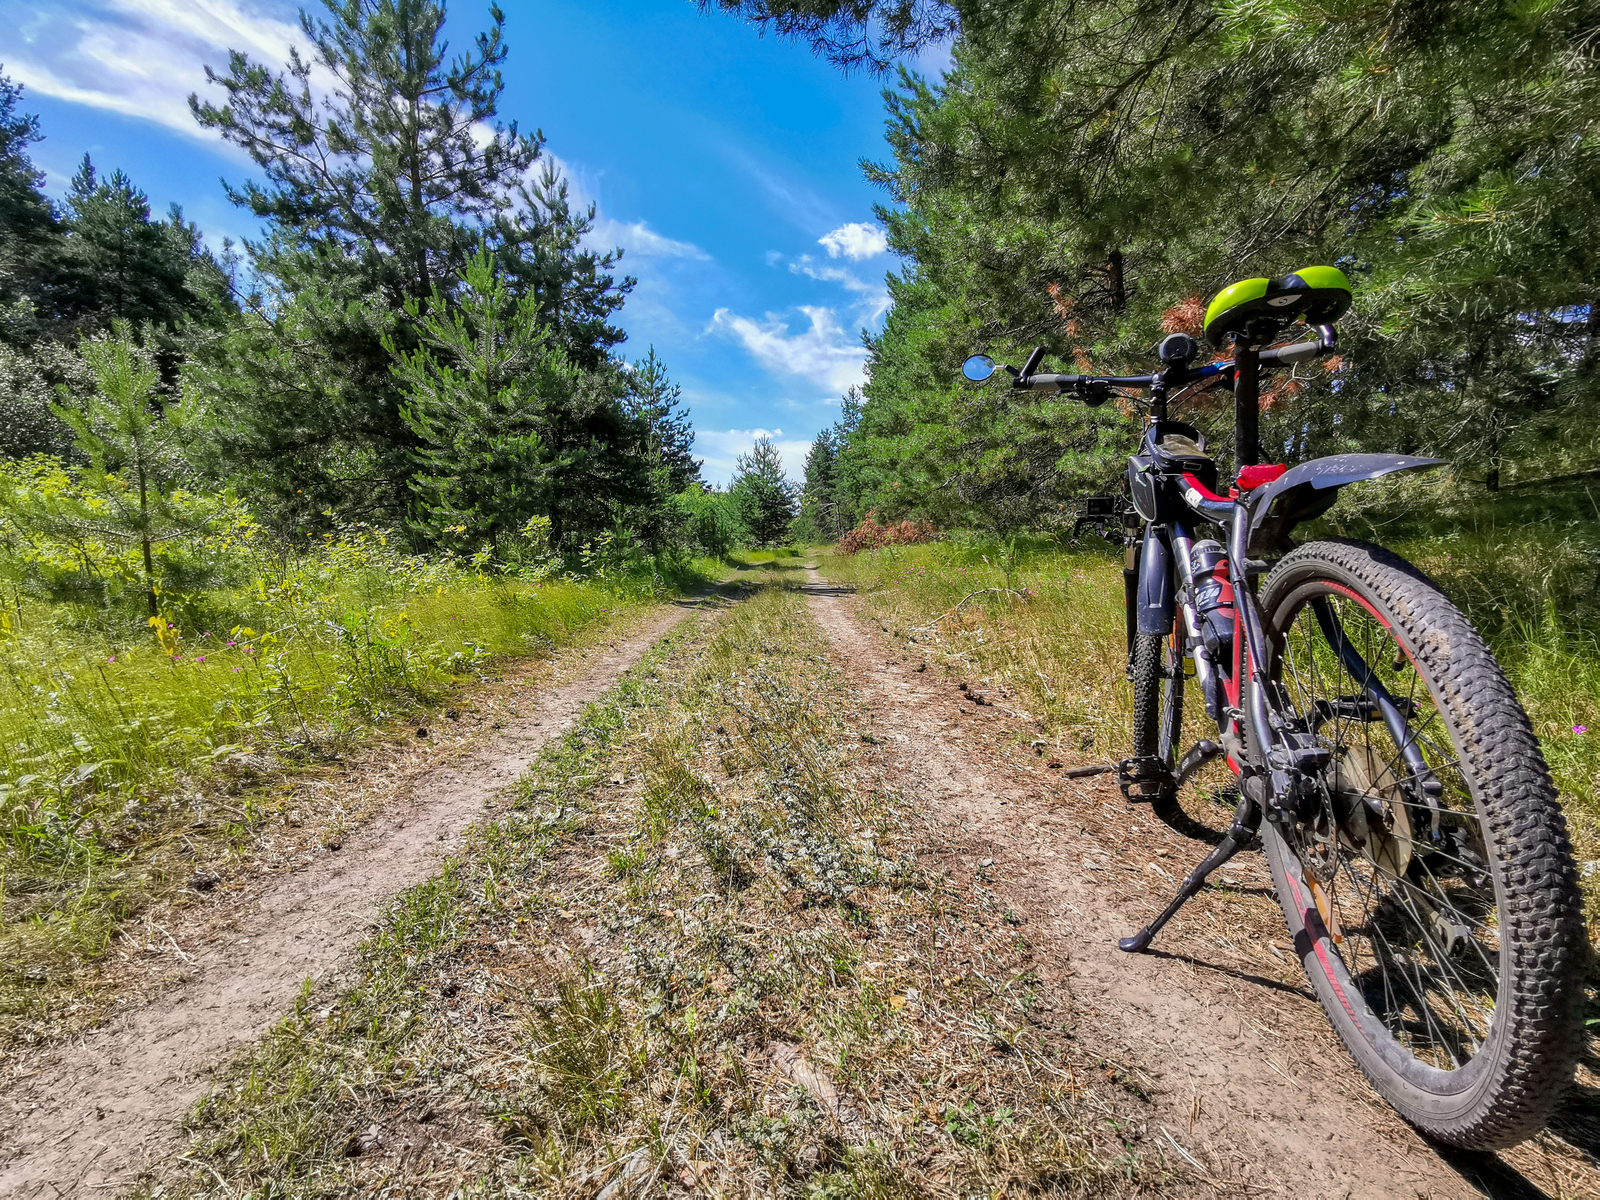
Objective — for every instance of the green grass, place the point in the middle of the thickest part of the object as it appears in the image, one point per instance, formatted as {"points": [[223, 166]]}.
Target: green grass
{"points": [[127, 750]]}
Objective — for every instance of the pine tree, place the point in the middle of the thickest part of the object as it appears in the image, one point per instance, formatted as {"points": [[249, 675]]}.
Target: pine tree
{"points": [[375, 201], [478, 393], [508, 426], [540, 244], [382, 187], [30, 234], [852, 33], [764, 494], [820, 517], [657, 402], [130, 493], [127, 266]]}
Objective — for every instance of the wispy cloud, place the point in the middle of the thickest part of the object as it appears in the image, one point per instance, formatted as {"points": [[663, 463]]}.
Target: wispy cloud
{"points": [[637, 238], [824, 353], [719, 449], [796, 202], [875, 299], [855, 241], [140, 58]]}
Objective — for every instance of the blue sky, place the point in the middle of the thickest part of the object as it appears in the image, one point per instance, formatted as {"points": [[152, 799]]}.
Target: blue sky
{"points": [[725, 163]]}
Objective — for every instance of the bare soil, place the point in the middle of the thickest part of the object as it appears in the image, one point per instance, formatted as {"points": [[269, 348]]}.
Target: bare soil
{"points": [[1249, 1082], [84, 1116]]}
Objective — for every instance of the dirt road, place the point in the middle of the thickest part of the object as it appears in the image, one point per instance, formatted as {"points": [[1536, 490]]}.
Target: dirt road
{"points": [[83, 1118], [1250, 1083], [1228, 1058]]}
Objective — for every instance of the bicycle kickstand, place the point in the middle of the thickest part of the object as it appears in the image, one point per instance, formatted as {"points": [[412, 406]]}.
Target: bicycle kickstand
{"points": [[1246, 820]]}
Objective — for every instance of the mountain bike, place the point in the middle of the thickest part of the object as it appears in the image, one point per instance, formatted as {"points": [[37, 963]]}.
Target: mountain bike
{"points": [[1373, 747]]}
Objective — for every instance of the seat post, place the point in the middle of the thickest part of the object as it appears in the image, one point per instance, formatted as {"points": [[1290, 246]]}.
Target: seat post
{"points": [[1246, 403]]}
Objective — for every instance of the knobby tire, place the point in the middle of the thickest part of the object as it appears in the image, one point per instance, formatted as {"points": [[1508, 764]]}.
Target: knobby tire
{"points": [[1515, 1075]]}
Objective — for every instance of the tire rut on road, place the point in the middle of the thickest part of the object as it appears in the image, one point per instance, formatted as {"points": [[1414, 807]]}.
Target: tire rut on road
{"points": [[84, 1117], [1249, 1079]]}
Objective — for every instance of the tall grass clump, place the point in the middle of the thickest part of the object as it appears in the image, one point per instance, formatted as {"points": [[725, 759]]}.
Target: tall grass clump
{"points": [[119, 731]]}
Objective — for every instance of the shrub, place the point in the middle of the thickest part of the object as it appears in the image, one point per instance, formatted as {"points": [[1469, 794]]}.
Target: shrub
{"points": [[869, 535]]}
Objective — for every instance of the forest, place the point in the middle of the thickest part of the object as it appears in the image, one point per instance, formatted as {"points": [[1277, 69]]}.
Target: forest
{"points": [[1087, 175]]}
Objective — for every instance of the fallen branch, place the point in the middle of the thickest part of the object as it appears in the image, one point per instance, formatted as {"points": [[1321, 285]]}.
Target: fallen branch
{"points": [[1086, 772], [928, 628]]}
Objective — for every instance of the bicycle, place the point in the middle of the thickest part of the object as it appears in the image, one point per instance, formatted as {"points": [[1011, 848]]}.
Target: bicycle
{"points": [[1378, 755]]}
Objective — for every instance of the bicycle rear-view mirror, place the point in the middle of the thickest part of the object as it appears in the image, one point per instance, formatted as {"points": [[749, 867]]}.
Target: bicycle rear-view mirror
{"points": [[978, 368]]}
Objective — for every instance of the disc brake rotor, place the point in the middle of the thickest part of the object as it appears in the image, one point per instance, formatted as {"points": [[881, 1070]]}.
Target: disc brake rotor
{"points": [[1364, 813], [1370, 810]]}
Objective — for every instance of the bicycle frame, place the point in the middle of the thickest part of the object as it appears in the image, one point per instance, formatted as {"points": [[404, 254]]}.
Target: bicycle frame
{"points": [[1277, 777]]}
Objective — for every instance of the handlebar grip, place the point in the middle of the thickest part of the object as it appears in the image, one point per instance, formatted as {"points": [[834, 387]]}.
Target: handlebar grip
{"points": [[1046, 383]]}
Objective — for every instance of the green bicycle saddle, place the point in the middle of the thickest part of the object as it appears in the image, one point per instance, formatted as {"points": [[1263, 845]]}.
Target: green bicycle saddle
{"points": [[1319, 294]]}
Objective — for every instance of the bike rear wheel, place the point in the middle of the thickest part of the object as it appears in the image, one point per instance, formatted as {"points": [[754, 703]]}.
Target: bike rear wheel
{"points": [[1432, 895]]}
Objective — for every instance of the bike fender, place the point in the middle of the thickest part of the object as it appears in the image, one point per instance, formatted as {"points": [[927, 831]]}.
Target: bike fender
{"points": [[1155, 585], [1310, 489]]}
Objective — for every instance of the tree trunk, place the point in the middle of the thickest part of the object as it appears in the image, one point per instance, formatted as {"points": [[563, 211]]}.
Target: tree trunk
{"points": [[144, 540], [1119, 291]]}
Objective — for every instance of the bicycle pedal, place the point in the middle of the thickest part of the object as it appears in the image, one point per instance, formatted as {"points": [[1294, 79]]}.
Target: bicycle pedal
{"points": [[1145, 779]]}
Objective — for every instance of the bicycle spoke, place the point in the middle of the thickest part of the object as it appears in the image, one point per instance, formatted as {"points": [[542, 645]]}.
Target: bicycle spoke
{"points": [[1401, 931]]}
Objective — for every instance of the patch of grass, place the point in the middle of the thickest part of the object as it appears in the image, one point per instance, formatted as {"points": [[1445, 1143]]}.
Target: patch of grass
{"points": [[1037, 618], [778, 556], [130, 754], [697, 954]]}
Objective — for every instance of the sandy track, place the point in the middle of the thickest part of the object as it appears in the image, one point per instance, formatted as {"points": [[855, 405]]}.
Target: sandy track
{"points": [[1280, 1105], [82, 1118]]}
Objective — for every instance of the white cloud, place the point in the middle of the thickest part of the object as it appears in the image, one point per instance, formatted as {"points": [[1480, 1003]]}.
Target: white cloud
{"points": [[639, 239], [875, 299], [855, 241], [720, 449], [824, 353], [142, 58]]}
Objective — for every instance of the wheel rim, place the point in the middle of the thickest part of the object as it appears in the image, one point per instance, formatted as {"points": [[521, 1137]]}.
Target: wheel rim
{"points": [[1406, 891]]}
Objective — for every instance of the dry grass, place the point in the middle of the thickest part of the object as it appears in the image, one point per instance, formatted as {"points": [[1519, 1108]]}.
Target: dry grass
{"points": [[702, 950], [1028, 616], [1060, 651]]}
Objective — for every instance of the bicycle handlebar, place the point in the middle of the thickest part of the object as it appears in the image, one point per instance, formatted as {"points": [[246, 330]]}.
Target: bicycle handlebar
{"points": [[1281, 356]]}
